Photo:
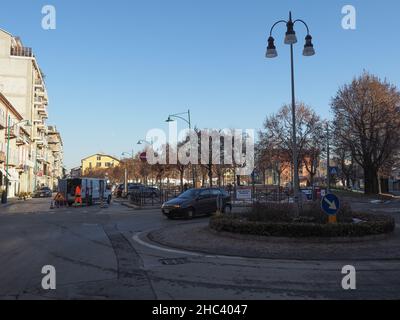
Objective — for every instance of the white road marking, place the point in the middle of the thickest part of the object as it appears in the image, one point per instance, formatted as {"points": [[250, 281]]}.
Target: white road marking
{"points": [[137, 239]]}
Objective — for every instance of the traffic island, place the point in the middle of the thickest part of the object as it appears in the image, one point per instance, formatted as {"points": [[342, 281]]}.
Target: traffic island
{"points": [[276, 234], [280, 220]]}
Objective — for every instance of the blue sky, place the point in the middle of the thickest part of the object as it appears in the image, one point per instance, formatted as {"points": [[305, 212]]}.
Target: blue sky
{"points": [[116, 69]]}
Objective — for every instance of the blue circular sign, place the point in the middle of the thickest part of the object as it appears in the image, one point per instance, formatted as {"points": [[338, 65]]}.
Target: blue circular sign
{"points": [[330, 204]]}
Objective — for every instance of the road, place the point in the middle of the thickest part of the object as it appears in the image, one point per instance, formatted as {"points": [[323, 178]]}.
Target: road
{"points": [[103, 254]]}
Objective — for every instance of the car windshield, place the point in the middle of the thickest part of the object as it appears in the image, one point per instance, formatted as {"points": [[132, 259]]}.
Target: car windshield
{"points": [[192, 193]]}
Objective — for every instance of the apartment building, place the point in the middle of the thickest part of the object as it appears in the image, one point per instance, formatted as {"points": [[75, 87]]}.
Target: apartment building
{"points": [[56, 154], [98, 161], [15, 156], [22, 84]]}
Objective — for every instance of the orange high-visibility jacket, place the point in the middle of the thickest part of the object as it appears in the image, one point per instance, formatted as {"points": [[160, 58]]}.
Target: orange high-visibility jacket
{"points": [[78, 192]]}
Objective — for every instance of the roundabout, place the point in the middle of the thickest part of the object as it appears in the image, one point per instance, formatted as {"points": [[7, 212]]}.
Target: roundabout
{"points": [[198, 239]]}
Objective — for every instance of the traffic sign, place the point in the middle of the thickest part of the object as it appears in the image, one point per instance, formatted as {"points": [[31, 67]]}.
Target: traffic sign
{"points": [[330, 204], [143, 156], [334, 171]]}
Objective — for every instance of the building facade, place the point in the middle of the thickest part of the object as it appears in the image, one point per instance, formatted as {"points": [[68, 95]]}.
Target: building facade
{"points": [[22, 84], [98, 161]]}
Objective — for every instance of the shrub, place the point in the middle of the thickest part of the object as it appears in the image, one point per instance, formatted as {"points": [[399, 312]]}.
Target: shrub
{"points": [[271, 212], [372, 225], [285, 212]]}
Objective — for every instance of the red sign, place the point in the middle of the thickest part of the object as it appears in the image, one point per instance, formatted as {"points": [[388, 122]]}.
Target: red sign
{"points": [[143, 156]]}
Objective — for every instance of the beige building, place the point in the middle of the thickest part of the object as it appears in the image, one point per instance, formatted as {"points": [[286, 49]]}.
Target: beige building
{"points": [[22, 83], [15, 154]]}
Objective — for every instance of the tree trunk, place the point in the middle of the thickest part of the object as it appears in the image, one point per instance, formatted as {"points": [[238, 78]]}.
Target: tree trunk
{"points": [[181, 177], [210, 176], [238, 182], [371, 180]]}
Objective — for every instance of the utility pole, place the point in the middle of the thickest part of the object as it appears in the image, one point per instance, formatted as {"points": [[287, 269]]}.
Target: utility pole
{"points": [[328, 161]]}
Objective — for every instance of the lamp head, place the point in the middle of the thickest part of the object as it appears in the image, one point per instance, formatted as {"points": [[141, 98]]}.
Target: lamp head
{"points": [[271, 50], [309, 47], [290, 37]]}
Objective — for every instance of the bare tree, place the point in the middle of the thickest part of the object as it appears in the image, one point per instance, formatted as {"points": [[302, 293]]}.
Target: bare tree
{"points": [[367, 122], [277, 134]]}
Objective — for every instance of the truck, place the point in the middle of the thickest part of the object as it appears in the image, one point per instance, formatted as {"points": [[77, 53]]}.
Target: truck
{"points": [[93, 190]]}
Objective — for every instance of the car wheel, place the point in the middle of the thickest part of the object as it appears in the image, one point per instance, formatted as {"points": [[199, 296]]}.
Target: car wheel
{"points": [[190, 213]]}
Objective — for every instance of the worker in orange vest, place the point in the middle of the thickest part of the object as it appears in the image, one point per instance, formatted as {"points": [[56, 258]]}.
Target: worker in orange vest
{"points": [[78, 196]]}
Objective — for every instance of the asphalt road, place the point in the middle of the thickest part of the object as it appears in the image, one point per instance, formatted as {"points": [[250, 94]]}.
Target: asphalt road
{"points": [[103, 254]]}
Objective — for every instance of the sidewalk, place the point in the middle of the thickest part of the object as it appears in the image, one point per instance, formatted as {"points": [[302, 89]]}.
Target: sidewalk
{"points": [[127, 203], [10, 202]]}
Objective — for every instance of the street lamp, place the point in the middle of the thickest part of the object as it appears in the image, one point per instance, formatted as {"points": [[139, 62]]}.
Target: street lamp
{"points": [[188, 120], [291, 39], [141, 142], [8, 128]]}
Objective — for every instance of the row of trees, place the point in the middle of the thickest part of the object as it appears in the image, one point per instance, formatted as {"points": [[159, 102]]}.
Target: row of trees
{"points": [[364, 138], [364, 134]]}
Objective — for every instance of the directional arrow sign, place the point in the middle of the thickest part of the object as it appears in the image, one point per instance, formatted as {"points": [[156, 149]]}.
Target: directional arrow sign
{"points": [[331, 204]]}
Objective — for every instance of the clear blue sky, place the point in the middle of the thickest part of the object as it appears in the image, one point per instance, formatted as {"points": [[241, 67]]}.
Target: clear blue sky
{"points": [[116, 69]]}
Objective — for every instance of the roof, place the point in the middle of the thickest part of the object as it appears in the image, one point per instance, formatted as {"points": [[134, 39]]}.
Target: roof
{"points": [[101, 155], [10, 107]]}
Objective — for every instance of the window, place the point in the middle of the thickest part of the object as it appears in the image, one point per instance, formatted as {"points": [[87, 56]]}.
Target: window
{"points": [[98, 165], [98, 158], [204, 194], [90, 165], [215, 192], [108, 165]]}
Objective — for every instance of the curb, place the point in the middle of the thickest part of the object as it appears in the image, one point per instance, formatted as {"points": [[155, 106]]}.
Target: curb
{"points": [[138, 208]]}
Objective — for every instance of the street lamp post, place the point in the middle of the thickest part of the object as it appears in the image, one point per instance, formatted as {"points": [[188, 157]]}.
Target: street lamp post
{"points": [[5, 197], [328, 158], [188, 120], [126, 170], [291, 39], [150, 143]]}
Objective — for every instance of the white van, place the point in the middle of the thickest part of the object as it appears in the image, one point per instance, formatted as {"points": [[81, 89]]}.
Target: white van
{"points": [[93, 190]]}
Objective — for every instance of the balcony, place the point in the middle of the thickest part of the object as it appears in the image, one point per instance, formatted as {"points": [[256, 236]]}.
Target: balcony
{"points": [[38, 101], [40, 157], [22, 140], [14, 132], [2, 120], [22, 52], [42, 111], [39, 84]]}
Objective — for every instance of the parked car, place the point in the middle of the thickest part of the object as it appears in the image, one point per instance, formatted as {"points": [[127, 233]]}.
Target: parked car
{"points": [[133, 188], [196, 202], [121, 188], [44, 192], [144, 192]]}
